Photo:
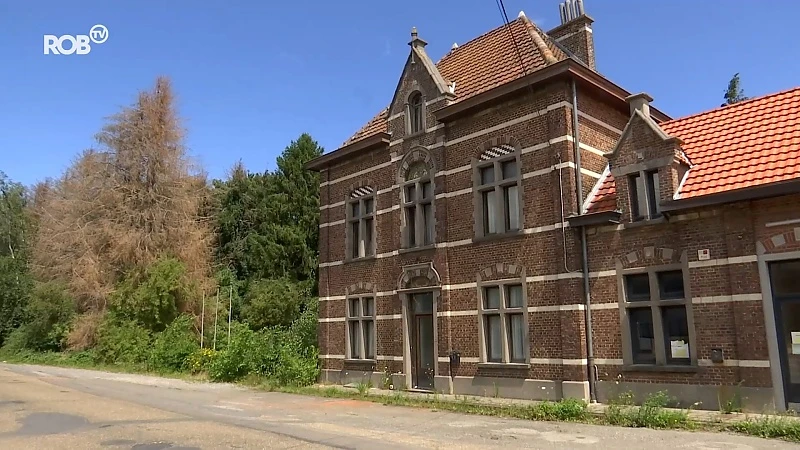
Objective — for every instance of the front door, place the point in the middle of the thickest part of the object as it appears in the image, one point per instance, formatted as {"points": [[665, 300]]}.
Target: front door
{"points": [[422, 342], [785, 282]]}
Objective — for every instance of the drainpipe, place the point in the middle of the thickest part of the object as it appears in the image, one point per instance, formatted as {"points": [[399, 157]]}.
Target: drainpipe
{"points": [[584, 250]]}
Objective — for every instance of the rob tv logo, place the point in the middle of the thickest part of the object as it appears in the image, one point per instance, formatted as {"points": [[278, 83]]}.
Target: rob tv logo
{"points": [[80, 44]]}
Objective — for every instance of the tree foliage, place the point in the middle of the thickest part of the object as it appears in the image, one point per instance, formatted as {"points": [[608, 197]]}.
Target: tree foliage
{"points": [[15, 283], [271, 303], [119, 208], [268, 222], [734, 93]]}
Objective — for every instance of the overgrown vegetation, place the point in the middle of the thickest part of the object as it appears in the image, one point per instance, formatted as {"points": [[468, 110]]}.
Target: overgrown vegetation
{"points": [[133, 259]]}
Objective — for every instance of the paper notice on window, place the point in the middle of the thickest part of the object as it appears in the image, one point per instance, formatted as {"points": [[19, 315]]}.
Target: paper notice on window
{"points": [[680, 349], [796, 342]]}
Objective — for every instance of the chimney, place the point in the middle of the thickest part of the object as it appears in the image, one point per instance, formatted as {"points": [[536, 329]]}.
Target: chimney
{"points": [[575, 31], [640, 102]]}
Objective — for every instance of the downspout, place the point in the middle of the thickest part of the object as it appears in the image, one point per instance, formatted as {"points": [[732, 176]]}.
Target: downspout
{"points": [[587, 311]]}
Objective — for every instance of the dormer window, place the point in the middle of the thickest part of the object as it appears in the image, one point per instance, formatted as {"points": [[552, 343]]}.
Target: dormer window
{"points": [[416, 117], [645, 195]]}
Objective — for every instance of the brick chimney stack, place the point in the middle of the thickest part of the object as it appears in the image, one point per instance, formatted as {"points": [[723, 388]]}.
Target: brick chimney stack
{"points": [[575, 31]]}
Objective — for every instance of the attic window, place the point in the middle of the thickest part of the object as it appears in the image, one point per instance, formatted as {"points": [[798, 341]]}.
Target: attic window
{"points": [[645, 195], [416, 117]]}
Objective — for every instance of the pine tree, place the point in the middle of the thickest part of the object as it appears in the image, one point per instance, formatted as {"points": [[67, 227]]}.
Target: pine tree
{"points": [[734, 93], [121, 207]]}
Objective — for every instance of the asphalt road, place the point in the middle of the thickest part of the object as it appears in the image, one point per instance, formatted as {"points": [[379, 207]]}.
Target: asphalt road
{"points": [[55, 408]]}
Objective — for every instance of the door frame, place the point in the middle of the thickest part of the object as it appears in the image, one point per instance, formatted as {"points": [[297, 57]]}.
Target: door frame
{"points": [[770, 323], [408, 317]]}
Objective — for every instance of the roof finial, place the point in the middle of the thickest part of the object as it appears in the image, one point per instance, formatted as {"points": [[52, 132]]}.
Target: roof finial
{"points": [[416, 42], [455, 46], [521, 14]]}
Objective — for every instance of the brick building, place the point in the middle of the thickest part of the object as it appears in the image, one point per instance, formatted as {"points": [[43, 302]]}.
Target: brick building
{"points": [[516, 224]]}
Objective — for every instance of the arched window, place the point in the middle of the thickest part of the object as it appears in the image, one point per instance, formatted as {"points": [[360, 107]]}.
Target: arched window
{"points": [[417, 199], [416, 116]]}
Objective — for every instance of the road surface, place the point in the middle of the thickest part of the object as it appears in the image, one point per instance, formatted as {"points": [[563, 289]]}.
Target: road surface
{"points": [[57, 408]]}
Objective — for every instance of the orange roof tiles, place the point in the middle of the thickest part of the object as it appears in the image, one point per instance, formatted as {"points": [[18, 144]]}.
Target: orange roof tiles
{"points": [[743, 145], [484, 63]]}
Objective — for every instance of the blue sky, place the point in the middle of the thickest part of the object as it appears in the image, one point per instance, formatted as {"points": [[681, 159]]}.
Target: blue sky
{"points": [[251, 76]]}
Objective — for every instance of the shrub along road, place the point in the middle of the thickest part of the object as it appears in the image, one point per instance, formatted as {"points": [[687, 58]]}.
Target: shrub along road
{"points": [[49, 407]]}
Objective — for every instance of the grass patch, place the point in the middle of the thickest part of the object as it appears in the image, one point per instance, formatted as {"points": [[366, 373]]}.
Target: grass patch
{"points": [[651, 414], [781, 427]]}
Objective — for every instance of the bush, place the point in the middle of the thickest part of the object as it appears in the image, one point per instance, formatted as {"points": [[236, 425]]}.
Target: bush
{"points": [[201, 360], [769, 427], [122, 341], [47, 320], [650, 414], [173, 346], [271, 303], [305, 328], [84, 329], [156, 297], [15, 287], [271, 353]]}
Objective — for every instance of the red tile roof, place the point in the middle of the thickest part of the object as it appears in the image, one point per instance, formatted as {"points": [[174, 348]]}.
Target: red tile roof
{"points": [[743, 145], [484, 63]]}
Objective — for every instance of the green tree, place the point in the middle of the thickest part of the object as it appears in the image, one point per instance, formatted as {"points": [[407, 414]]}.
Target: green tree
{"points": [[734, 93], [271, 303], [268, 223], [15, 283]]}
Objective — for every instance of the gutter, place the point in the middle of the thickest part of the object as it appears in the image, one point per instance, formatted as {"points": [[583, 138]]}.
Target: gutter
{"points": [[751, 193], [591, 369], [353, 149]]}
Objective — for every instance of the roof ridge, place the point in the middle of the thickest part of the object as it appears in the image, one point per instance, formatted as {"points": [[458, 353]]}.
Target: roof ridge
{"points": [[734, 105], [464, 45]]}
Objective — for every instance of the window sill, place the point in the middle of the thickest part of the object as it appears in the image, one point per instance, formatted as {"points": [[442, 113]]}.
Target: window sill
{"points": [[665, 368], [361, 259], [496, 365], [646, 222], [417, 249], [499, 236], [360, 361]]}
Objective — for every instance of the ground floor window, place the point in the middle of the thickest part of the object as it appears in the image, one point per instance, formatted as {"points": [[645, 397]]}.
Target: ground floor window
{"points": [[504, 323], [361, 339], [657, 310]]}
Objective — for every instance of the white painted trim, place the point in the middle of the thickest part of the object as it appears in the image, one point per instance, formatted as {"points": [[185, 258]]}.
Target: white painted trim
{"points": [[356, 174], [334, 223], [331, 264], [454, 193], [331, 356], [554, 308], [734, 363], [332, 205], [783, 222], [388, 358], [385, 210], [602, 306], [455, 287], [599, 122], [567, 36], [385, 293], [723, 261], [332, 297], [595, 188], [389, 317], [608, 361], [491, 130], [464, 359], [330, 319], [453, 243], [453, 171], [677, 193], [471, 312], [757, 297]]}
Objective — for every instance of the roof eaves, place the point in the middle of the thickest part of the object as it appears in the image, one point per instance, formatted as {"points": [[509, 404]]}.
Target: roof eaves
{"points": [[354, 148], [744, 194]]}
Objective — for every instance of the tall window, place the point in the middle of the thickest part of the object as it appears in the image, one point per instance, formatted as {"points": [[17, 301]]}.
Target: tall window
{"points": [[503, 320], [498, 194], [655, 304], [644, 195], [418, 228], [361, 224], [361, 327], [416, 114]]}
